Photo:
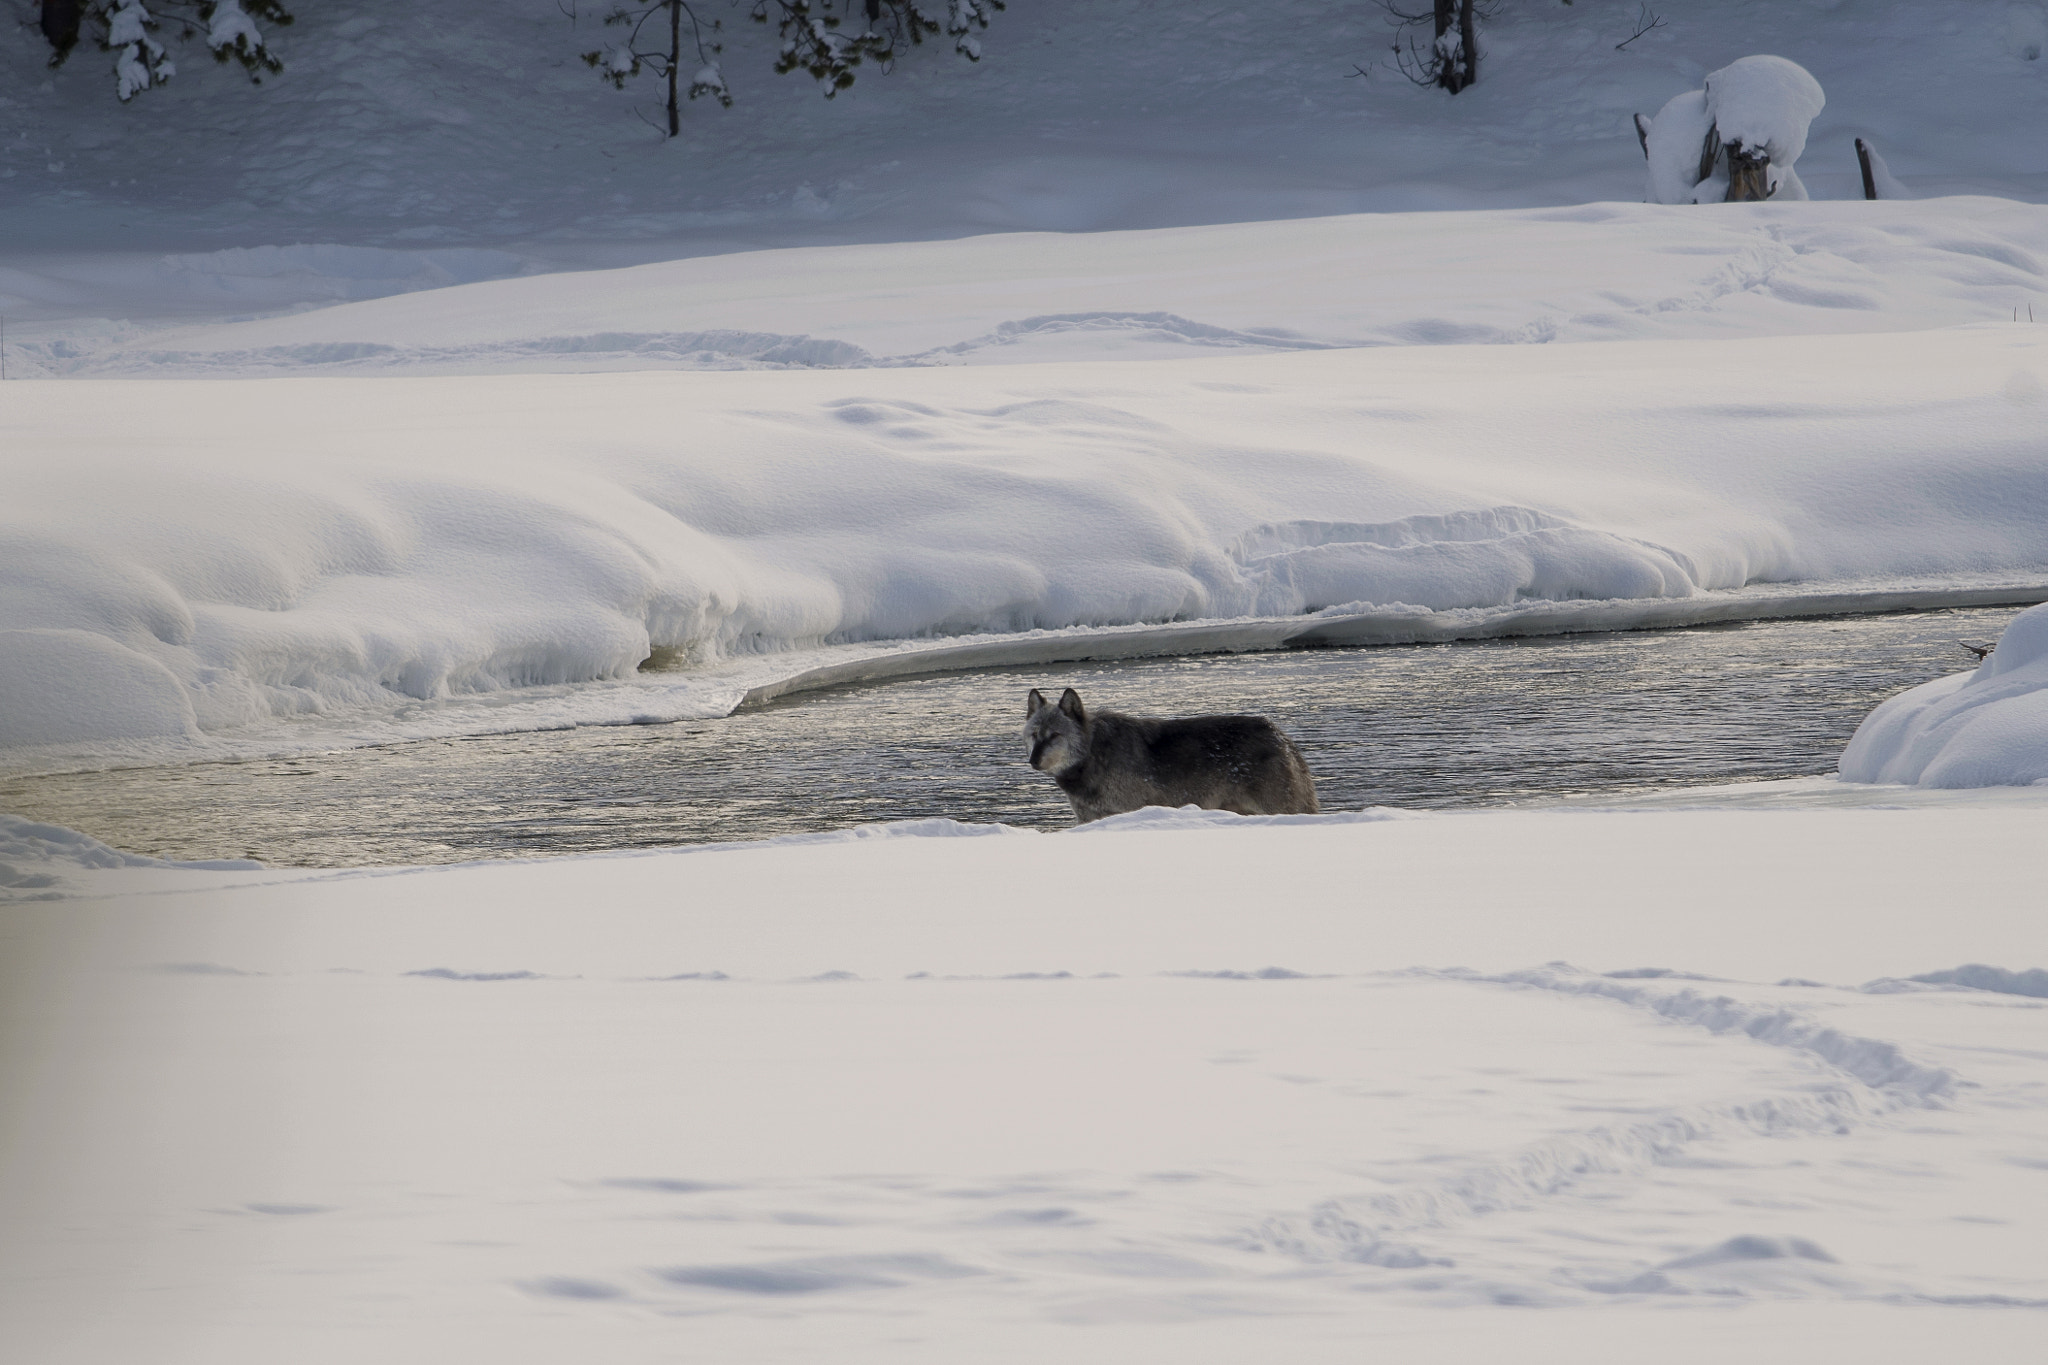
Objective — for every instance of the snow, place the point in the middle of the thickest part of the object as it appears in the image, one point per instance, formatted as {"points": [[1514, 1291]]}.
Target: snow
{"points": [[1882, 179], [1674, 147], [425, 390], [461, 537], [1985, 728], [231, 28], [398, 128], [1766, 103], [1762, 103], [895, 1090], [1596, 272]]}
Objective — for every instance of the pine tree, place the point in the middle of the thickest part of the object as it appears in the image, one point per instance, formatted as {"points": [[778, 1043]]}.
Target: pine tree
{"points": [[825, 38], [817, 39], [129, 28]]}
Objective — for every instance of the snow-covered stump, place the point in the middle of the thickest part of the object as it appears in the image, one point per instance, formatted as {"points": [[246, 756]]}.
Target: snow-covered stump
{"points": [[1737, 139]]}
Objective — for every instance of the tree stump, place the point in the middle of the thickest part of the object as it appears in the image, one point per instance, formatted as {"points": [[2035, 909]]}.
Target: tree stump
{"points": [[1749, 179]]}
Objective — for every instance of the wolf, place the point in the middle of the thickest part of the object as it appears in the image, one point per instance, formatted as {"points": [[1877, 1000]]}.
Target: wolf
{"points": [[1108, 763]]}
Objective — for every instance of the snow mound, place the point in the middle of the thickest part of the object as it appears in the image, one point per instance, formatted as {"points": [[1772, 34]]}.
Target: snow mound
{"points": [[1765, 104], [1984, 728], [1673, 146], [1762, 105]]}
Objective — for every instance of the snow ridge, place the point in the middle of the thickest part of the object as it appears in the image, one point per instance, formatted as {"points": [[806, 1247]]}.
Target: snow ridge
{"points": [[1156, 326], [1879, 1065]]}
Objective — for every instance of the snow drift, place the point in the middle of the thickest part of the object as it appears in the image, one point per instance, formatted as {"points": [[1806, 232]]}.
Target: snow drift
{"points": [[1985, 728]]}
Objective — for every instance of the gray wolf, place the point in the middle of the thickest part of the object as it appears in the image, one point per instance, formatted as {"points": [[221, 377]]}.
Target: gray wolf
{"points": [[1108, 763]]}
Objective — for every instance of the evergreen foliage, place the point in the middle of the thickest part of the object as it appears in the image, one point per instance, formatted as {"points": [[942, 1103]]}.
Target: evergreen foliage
{"points": [[827, 39], [816, 37], [129, 29]]}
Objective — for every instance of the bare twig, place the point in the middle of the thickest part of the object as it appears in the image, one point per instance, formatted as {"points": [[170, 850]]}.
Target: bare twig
{"points": [[1644, 23], [1357, 70]]}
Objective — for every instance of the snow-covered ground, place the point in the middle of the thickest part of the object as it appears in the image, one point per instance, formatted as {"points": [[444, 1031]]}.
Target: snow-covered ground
{"points": [[1177, 1088]]}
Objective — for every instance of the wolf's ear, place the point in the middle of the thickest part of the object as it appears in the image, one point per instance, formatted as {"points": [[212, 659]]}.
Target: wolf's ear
{"points": [[1070, 702], [1034, 703]]}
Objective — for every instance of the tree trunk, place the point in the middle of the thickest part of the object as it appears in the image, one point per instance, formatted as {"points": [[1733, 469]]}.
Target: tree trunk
{"points": [[1710, 152], [60, 24], [1455, 72], [675, 57], [1863, 160], [1468, 39], [1749, 178]]}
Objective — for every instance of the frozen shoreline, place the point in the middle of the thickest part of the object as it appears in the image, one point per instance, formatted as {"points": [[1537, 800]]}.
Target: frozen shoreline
{"points": [[659, 696], [1387, 626]]}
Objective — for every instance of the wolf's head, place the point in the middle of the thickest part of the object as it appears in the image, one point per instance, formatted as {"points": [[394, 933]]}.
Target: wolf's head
{"points": [[1056, 731]]}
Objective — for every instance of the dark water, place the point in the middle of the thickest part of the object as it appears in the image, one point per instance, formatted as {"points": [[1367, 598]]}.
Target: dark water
{"points": [[1440, 726]]}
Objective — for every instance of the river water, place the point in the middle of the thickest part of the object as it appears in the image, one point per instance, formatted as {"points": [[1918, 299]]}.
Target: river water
{"points": [[1431, 726]]}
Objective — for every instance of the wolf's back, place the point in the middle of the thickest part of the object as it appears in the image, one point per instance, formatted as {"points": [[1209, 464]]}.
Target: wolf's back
{"points": [[1235, 763]]}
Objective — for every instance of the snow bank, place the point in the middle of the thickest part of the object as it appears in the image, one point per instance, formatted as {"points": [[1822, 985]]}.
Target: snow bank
{"points": [[377, 546], [1985, 728]]}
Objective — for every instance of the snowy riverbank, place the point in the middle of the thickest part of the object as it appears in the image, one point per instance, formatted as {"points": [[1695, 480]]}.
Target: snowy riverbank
{"points": [[349, 548]]}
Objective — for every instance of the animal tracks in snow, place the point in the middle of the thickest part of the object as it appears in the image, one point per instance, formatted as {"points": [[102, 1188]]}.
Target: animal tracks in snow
{"points": [[1209, 1141]]}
